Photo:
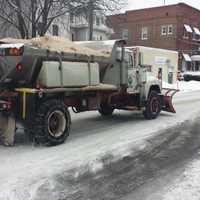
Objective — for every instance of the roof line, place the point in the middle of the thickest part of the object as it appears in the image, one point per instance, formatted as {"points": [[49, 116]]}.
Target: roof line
{"points": [[178, 4]]}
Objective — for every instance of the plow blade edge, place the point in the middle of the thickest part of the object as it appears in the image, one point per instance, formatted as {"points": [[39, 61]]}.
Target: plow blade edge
{"points": [[167, 100]]}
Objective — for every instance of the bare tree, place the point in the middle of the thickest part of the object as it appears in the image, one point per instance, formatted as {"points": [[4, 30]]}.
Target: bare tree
{"points": [[30, 17], [88, 7]]}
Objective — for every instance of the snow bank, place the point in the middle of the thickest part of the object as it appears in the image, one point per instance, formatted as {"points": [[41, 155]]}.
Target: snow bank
{"points": [[184, 86], [187, 186], [197, 73]]}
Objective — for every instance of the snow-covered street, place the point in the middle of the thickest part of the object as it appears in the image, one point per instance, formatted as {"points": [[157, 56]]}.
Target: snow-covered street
{"points": [[29, 172]]}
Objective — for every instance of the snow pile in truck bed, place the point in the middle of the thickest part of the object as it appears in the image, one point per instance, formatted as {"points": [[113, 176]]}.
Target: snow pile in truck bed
{"points": [[58, 44]]}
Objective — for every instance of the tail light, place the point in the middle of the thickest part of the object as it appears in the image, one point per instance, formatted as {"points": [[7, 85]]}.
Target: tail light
{"points": [[5, 105], [19, 67], [15, 51]]}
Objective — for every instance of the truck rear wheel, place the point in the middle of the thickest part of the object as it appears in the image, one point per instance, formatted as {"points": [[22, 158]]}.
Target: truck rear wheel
{"points": [[52, 123], [153, 106], [105, 109]]}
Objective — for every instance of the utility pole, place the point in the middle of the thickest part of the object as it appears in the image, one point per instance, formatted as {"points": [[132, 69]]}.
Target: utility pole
{"points": [[164, 2]]}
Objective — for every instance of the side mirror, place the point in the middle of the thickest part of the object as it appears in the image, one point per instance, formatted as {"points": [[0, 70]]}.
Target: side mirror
{"points": [[140, 59], [119, 55]]}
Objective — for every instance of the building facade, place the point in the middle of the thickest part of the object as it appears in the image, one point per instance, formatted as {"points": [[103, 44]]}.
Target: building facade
{"points": [[174, 27], [60, 27], [80, 27]]}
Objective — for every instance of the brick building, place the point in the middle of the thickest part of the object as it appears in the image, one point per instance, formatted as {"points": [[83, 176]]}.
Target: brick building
{"points": [[173, 27]]}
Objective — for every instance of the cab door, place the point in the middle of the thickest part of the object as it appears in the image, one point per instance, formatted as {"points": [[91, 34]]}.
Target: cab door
{"points": [[133, 73]]}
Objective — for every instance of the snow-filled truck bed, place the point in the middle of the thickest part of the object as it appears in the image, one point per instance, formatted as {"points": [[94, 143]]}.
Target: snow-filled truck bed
{"points": [[21, 62]]}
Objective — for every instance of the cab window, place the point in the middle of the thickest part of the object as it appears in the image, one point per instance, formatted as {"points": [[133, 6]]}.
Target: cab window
{"points": [[129, 60]]}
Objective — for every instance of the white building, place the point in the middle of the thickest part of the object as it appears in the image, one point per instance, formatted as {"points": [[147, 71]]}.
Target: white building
{"points": [[80, 27], [60, 27]]}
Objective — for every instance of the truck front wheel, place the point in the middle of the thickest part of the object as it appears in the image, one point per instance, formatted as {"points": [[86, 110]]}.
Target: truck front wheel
{"points": [[153, 106], [52, 123]]}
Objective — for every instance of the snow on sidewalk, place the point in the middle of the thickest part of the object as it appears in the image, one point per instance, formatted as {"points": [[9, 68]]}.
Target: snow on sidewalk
{"points": [[184, 86], [187, 186]]}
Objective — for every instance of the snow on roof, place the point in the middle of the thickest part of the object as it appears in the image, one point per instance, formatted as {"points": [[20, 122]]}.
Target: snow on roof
{"points": [[183, 86], [18, 45]]}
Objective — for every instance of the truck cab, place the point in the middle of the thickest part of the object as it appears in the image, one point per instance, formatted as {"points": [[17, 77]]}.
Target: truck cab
{"points": [[140, 77]]}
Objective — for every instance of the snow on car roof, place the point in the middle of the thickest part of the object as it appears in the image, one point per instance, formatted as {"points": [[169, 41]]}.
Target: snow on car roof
{"points": [[16, 45]]}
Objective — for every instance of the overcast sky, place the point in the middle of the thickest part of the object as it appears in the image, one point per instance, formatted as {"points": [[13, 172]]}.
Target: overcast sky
{"points": [[138, 4]]}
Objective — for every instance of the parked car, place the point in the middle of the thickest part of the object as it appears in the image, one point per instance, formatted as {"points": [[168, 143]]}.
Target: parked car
{"points": [[192, 76]]}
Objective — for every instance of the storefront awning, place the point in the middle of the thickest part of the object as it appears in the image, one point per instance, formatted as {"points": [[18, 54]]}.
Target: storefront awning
{"points": [[196, 30], [187, 58], [195, 58], [188, 28]]}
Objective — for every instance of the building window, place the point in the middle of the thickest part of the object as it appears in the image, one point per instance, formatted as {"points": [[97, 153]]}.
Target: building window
{"points": [[102, 20], [55, 30], [163, 30], [196, 33], [72, 18], [80, 19], [187, 31], [144, 35], [125, 34], [101, 38], [194, 36], [170, 30], [97, 21], [185, 35]]}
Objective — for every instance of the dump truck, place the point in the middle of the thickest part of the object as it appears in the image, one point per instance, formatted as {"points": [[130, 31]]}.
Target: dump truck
{"points": [[41, 81]]}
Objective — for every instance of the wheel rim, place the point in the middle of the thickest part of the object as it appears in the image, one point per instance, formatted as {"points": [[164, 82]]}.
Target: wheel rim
{"points": [[154, 105], [56, 123]]}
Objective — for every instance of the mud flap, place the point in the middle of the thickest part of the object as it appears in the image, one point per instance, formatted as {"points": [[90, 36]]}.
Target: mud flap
{"points": [[167, 100], [7, 129]]}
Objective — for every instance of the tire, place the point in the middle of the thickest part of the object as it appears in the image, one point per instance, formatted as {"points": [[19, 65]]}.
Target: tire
{"points": [[52, 123], [153, 106], [106, 110]]}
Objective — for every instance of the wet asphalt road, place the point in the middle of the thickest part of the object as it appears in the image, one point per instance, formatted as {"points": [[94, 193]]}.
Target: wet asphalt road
{"points": [[126, 178]]}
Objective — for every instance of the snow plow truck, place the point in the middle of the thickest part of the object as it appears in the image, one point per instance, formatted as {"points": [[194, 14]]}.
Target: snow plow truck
{"points": [[41, 79]]}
